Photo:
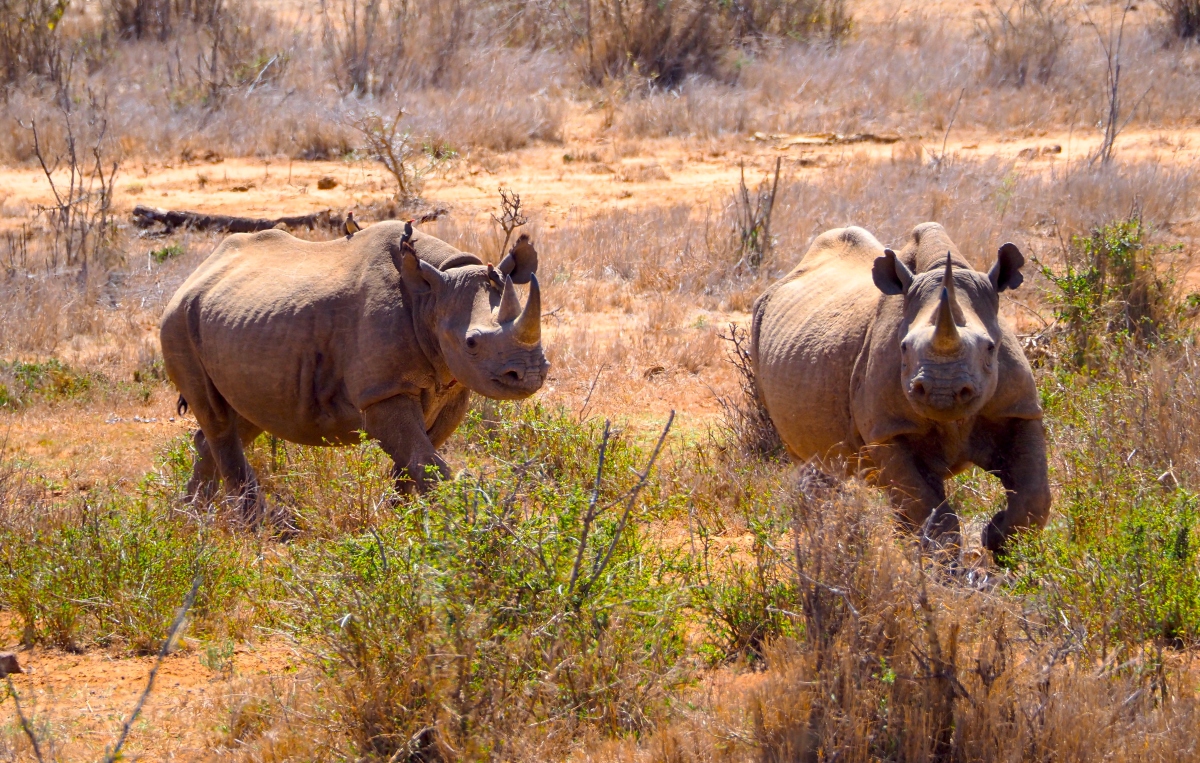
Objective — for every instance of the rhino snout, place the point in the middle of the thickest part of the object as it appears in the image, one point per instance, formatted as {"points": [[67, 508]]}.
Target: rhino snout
{"points": [[524, 375], [944, 394]]}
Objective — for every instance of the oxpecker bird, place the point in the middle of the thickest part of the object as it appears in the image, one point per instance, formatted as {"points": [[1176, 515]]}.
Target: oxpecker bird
{"points": [[350, 227]]}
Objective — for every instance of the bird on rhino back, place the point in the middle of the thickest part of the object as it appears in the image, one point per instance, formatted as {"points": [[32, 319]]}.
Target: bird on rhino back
{"points": [[897, 365], [387, 332]]}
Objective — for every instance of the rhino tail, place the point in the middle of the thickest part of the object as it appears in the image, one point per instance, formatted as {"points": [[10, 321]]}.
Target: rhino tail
{"points": [[181, 406]]}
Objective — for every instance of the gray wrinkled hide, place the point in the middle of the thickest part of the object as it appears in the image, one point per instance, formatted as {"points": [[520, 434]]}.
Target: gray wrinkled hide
{"points": [[315, 342], [827, 352]]}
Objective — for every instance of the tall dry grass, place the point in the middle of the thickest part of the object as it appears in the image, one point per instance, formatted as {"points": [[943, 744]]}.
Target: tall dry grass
{"points": [[498, 75]]}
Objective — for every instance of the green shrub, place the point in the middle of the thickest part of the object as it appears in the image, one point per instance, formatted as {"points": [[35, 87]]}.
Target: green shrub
{"points": [[1119, 560], [1113, 292], [22, 382], [491, 607], [167, 252], [114, 574]]}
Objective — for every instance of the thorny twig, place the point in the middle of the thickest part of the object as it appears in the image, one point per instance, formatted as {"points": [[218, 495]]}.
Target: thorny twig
{"points": [[602, 562], [115, 753], [37, 750], [590, 516], [945, 138]]}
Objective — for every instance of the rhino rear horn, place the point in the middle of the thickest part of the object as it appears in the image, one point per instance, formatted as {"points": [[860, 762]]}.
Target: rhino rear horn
{"points": [[528, 326], [521, 261], [510, 305]]}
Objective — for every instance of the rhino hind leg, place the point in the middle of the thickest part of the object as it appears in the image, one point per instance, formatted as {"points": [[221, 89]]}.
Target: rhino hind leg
{"points": [[399, 425], [207, 472]]}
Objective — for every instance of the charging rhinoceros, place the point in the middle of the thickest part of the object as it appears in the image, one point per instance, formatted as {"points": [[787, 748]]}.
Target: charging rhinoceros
{"points": [[897, 366], [385, 332]]}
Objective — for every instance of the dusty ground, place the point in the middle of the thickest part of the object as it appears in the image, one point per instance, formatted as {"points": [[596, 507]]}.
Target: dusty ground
{"points": [[84, 698]]}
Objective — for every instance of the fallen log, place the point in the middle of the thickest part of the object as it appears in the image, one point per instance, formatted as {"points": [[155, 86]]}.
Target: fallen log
{"points": [[144, 217]]}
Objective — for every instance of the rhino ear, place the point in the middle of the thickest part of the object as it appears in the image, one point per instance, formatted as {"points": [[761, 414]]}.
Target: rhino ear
{"points": [[890, 274], [419, 276], [1006, 272], [521, 261]]}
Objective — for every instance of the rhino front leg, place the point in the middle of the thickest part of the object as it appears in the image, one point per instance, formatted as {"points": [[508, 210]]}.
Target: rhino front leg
{"points": [[1018, 458], [917, 491], [448, 419], [398, 423]]}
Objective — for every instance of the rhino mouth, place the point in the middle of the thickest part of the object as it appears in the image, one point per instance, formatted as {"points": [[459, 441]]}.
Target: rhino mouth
{"points": [[522, 377]]}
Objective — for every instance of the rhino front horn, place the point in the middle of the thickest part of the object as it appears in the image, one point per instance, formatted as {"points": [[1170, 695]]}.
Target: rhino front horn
{"points": [[528, 327], [945, 332]]}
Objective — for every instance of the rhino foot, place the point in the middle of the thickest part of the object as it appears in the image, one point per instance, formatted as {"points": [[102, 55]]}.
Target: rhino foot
{"points": [[420, 474], [996, 540]]}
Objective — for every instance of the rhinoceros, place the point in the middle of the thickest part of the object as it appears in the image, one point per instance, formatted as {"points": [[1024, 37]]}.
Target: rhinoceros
{"points": [[386, 332], [897, 366]]}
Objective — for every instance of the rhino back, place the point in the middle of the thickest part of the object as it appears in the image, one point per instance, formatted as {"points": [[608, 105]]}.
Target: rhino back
{"points": [[808, 332], [299, 336]]}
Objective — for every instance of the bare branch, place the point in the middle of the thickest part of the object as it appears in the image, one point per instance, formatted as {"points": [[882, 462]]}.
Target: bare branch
{"points": [[37, 750], [602, 562], [115, 754]]}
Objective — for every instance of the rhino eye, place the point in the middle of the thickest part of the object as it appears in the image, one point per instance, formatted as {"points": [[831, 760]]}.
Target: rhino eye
{"points": [[472, 343], [991, 346], [904, 347]]}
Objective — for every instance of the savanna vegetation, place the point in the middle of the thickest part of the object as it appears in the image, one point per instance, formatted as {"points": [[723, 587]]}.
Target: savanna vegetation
{"points": [[602, 579]]}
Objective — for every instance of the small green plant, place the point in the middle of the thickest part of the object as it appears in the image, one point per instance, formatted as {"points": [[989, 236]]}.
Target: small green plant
{"points": [[1113, 292], [167, 252], [113, 574], [219, 658]]}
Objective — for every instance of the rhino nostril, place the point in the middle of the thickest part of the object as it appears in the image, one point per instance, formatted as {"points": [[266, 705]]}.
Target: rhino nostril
{"points": [[511, 376], [966, 393], [918, 389]]}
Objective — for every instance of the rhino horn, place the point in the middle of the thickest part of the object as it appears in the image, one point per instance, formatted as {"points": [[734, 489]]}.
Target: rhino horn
{"points": [[945, 332], [528, 327], [510, 305]]}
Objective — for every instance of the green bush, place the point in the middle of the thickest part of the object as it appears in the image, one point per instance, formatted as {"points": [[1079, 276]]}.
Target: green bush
{"points": [[22, 382], [495, 605], [1119, 561], [167, 252], [1113, 292], [114, 574]]}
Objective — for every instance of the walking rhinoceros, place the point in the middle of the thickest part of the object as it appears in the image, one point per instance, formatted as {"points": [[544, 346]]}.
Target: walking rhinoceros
{"points": [[386, 332], [897, 365]]}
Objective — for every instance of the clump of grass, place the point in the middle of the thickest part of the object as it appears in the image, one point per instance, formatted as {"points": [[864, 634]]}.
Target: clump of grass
{"points": [[22, 382], [525, 600], [113, 574], [1025, 39]]}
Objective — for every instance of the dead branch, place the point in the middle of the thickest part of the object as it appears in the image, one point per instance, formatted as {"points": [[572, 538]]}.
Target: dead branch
{"points": [[115, 754], [602, 561], [591, 512], [144, 217], [37, 750], [510, 215]]}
